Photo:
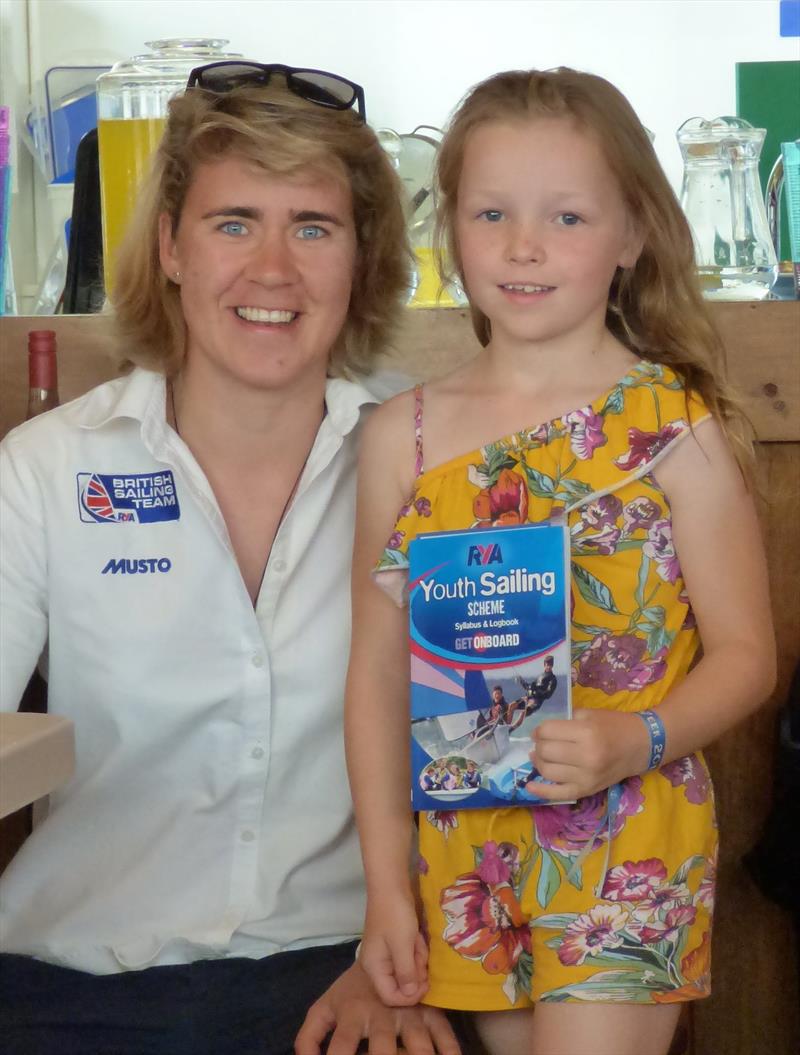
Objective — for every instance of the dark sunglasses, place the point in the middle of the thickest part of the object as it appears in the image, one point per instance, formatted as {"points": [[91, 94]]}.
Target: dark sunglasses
{"points": [[315, 86]]}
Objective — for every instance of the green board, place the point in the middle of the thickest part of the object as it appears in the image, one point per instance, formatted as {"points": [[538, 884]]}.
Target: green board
{"points": [[768, 96]]}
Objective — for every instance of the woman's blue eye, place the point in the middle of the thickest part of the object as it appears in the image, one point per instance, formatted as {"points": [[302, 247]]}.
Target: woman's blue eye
{"points": [[492, 215], [569, 219], [234, 227], [311, 232]]}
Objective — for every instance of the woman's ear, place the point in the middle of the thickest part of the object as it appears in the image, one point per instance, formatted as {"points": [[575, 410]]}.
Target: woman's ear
{"points": [[167, 249]]}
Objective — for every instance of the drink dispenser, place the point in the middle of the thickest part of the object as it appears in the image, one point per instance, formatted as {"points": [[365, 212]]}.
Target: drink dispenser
{"points": [[131, 109], [721, 196]]}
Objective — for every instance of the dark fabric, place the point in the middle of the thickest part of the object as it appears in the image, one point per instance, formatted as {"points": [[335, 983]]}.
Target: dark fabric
{"points": [[84, 290], [774, 862], [211, 1007]]}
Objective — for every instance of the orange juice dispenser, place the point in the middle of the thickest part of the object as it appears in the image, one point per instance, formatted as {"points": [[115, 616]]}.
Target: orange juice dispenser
{"points": [[131, 111]]}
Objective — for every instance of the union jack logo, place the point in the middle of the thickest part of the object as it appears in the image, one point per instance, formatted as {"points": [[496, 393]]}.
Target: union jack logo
{"points": [[96, 500]]}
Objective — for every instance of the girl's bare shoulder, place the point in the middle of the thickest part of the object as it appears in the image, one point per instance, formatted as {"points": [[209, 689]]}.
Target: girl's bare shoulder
{"points": [[388, 443], [392, 420]]}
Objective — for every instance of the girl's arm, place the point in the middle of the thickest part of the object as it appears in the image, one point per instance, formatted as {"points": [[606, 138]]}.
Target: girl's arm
{"points": [[377, 719], [718, 542]]}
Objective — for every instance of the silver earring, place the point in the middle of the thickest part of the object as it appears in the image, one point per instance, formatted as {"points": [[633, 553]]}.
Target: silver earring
{"points": [[177, 276]]}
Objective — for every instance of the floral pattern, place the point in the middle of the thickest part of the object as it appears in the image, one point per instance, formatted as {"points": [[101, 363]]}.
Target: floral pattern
{"points": [[502, 503], [640, 513], [585, 432], [485, 921], [696, 972], [644, 446], [612, 664], [646, 918], [659, 548], [566, 829], [442, 820], [591, 933], [691, 775], [634, 880], [623, 903]]}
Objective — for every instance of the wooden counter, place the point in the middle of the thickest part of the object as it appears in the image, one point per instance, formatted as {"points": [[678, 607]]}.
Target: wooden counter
{"points": [[754, 1010], [37, 755], [763, 341]]}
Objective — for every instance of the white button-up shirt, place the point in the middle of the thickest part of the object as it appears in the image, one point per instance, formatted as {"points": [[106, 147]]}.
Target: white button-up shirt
{"points": [[209, 814]]}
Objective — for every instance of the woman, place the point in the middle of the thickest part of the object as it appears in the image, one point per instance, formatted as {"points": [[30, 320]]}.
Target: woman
{"points": [[178, 540]]}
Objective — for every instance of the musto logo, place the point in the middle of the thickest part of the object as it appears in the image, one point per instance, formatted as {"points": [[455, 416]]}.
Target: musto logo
{"points": [[140, 498], [137, 565]]}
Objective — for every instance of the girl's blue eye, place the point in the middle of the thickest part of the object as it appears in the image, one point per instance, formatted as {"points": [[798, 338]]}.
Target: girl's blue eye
{"points": [[234, 227], [311, 232], [491, 215], [569, 219]]}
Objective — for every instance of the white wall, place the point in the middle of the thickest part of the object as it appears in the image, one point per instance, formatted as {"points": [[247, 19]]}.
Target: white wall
{"points": [[673, 58]]}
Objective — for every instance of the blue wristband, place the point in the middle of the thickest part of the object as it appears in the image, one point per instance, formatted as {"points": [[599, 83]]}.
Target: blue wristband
{"points": [[658, 737]]}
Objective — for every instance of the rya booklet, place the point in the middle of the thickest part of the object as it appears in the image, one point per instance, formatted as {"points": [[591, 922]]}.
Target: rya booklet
{"points": [[490, 659]]}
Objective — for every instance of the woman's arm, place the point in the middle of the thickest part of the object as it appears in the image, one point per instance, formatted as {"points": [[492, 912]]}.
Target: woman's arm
{"points": [[718, 542], [377, 716], [23, 576]]}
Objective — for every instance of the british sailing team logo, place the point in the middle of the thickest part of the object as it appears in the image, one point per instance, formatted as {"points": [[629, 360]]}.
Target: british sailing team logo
{"points": [[140, 498]]}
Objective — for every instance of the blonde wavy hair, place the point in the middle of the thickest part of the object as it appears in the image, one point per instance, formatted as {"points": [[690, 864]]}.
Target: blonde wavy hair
{"points": [[655, 308], [282, 135]]}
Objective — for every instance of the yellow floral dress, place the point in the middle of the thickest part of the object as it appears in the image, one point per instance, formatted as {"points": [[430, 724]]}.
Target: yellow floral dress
{"points": [[593, 900]]}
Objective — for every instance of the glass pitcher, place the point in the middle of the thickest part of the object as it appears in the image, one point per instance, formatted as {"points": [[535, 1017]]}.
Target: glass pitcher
{"points": [[131, 110], [721, 197], [413, 155]]}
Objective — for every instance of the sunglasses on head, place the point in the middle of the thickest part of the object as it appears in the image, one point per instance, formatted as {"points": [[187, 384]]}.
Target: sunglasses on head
{"points": [[315, 86]]}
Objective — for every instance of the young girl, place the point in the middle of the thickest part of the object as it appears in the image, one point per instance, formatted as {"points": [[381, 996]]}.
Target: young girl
{"points": [[595, 392]]}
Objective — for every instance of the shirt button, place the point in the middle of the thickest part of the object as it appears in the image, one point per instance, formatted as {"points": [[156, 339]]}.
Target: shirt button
{"points": [[280, 565], [257, 659], [257, 752], [247, 836]]}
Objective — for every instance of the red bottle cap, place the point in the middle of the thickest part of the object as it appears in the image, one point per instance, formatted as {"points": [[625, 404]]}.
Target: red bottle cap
{"points": [[42, 370], [41, 340]]}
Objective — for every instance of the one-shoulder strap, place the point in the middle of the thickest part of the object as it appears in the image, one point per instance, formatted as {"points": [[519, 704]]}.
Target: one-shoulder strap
{"points": [[419, 464]]}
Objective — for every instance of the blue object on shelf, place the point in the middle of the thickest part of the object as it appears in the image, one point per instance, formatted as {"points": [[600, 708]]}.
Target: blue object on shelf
{"points": [[64, 109], [69, 123], [790, 18]]}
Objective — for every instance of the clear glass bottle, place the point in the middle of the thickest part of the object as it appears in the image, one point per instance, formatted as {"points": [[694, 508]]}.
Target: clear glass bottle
{"points": [[721, 197], [132, 103], [42, 372]]}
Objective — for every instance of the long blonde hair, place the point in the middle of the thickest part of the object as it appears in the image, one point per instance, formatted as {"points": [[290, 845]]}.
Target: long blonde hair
{"points": [[655, 308], [280, 134]]}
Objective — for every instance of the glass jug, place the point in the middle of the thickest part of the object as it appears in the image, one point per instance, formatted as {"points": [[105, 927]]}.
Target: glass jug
{"points": [[721, 197], [131, 110], [413, 155]]}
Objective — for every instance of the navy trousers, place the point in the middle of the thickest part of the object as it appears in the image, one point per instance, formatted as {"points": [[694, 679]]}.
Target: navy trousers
{"points": [[211, 1007]]}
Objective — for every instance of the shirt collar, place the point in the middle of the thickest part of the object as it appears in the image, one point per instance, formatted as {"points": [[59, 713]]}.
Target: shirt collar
{"points": [[141, 395], [343, 401]]}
